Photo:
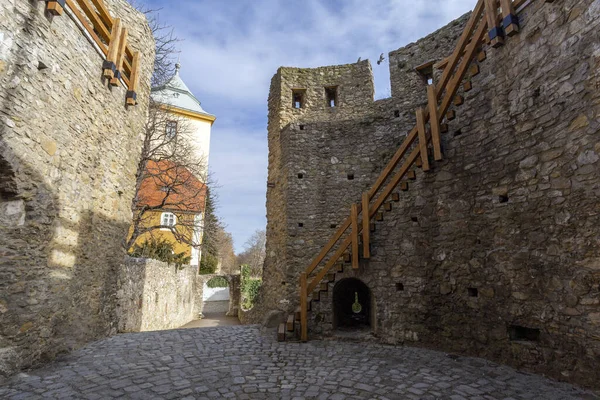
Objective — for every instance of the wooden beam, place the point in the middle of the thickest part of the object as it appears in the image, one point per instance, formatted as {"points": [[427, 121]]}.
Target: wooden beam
{"points": [[134, 80], [495, 33], [510, 21], [56, 7], [109, 68], [290, 323], [422, 139], [365, 229], [103, 13], [303, 308], [434, 121], [120, 57], [354, 233], [460, 47], [88, 28], [281, 332], [333, 260], [93, 16]]}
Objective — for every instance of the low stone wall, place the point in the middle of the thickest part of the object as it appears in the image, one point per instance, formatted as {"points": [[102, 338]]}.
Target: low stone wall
{"points": [[154, 295]]}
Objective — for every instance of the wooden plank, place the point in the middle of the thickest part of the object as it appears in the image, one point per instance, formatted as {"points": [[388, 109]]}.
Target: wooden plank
{"points": [[468, 86], [434, 122], [290, 323], [343, 247], [396, 197], [120, 57], [97, 23], [54, 8], [365, 228], [481, 56], [303, 308], [281, 333], [453, 85], [451, 115], [443, 128], [110, 66], [461, 45], [474, 70], [410, 160], [422, 139], [354, 215], [134, 80], [372, 227], [103, 13], [387, 207], [459, 100], [379, 216], [411, 175], [495, 31], [510, 22], [404, 186], [88, 28]]}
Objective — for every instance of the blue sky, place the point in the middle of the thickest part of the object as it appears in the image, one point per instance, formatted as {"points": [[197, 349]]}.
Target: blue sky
{"points": [[232, 48]]}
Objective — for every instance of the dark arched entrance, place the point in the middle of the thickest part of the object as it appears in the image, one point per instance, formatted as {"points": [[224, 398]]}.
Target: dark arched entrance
{"points": [[351, 305]]}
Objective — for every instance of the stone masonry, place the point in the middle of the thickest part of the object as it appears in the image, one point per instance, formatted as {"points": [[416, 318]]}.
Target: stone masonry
{"points": [[154, 295], [496, 251], [68, 153]]}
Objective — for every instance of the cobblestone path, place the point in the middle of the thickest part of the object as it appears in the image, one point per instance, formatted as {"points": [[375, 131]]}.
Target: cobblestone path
{"points": [[241, 363]]}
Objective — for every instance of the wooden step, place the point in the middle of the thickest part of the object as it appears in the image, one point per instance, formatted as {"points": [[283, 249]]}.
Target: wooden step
{"points": [[450, 115], [474, 70], [316, 296], [481, 56], [468, 86], [444, 128], [379, 216], [411, 175], [331, 277], [459, 100], [396, 197], [281, 332], [298, 314], [404, 186], [347, 257], [290, 323], [324, 286], [339, 267], [372, 226], [387, 206]]}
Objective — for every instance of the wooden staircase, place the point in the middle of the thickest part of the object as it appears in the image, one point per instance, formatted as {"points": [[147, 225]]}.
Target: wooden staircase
{"points": [[490, 23]]}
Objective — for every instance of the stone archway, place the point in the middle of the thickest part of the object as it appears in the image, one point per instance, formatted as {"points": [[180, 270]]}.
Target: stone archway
{"points": [[352, 305]]}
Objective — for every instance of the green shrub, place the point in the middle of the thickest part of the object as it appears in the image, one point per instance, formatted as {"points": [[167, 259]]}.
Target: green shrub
{"points": [[249, 287], [208, 264], [162, 250], [217, 282]]}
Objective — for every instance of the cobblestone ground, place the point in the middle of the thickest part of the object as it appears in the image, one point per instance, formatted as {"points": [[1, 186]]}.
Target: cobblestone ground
{"points": [[241, 363]]}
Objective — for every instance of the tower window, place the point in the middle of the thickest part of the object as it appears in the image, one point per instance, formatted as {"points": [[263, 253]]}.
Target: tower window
{"points": [[298, 96], [171, 129], [426, 72], [331, 96]]}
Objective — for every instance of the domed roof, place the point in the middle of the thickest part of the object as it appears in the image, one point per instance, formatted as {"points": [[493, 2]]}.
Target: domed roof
{"points": [[176, 93]]}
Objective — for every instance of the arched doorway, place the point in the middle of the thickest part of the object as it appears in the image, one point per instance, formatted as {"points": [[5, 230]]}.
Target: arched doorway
{"points": [[351, 305]]}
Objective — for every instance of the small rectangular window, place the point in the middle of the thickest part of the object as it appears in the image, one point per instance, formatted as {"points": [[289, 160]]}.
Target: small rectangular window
{"points": [[171, 129], [426, 72], [298, 98], [168, 219], [332, 96]]}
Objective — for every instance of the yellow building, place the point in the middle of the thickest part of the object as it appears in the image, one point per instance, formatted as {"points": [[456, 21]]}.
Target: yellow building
{"points": [[179, 219]]}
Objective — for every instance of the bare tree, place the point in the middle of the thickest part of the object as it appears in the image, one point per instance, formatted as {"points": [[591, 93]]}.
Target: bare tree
{"points": [[171, 176], [254, 253], [165, 42]]}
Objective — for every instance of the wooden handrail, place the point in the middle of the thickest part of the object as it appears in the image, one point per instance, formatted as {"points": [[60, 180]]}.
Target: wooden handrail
{"points": [[457, 66]]}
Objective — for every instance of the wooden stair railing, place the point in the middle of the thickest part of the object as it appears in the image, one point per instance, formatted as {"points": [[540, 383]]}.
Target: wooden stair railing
{"points": [[110, 37], [440, 98]]}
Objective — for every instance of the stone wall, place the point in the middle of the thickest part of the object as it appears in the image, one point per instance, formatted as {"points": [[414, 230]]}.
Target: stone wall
{"points": [[153, 295], [493, 253], [233, 304], [68, 153]]}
